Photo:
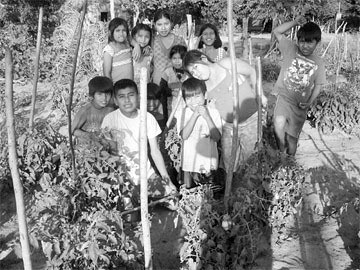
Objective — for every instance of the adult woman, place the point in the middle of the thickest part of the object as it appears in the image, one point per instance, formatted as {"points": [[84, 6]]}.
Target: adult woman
{"points": [[217, 77]]}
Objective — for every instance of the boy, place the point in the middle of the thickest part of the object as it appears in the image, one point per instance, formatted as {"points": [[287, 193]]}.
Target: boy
{"points": [[87, 122], [124, 126], [301, 76], [153, 103], [200, 128]]}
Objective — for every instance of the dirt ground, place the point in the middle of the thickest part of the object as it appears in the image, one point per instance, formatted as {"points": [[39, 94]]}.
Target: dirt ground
{"points": [[318, 242]]}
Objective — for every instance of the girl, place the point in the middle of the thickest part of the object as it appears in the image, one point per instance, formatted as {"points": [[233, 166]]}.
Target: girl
{"points": [[163, 41], [210, 42], [172, 79], [217, 77], [200, 128], [117, 53], [142, 35]]}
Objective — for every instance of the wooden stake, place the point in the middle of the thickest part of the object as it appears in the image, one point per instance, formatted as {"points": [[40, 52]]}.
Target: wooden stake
{"points": [[112, 9], [143, 170], [172, 114], [36, 71], [71, 94], [13, 162], [250, 51], [230, 169], [259, 93]]}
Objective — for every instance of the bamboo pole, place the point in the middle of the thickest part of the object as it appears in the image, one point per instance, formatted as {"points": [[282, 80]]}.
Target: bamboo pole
{"points": [[71, 94], [143, 170], [13, 162], [259, 93], [36, 71], [230, 169], [172, 114], [112, 9], [251, 56]]}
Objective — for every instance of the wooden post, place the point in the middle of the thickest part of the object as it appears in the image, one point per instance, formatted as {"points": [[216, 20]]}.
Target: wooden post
{"points": [[259, 93], [143, 170], [13, 162], [72, 82], [230, 169], [245, 36], [36, 71], [112, 9], [251, 56]]}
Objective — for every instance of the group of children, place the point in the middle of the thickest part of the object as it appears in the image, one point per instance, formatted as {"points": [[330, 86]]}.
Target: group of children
{"points": [[205, 115]]}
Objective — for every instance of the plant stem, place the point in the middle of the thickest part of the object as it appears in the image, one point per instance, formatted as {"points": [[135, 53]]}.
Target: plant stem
{"points": [[13, 161]]}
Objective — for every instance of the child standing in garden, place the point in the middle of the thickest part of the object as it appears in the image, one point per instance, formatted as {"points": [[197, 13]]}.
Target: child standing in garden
{"points": [[210, 42], [141, 33], [117, 59], [299, 83], [172, 79], [124, 127], [162, 43], [200, 128], [217, 77], [87, 122]]}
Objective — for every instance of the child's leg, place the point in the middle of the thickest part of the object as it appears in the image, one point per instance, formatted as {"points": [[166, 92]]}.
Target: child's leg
{"points": [[279, 127], [188, 180], [292, 144]]}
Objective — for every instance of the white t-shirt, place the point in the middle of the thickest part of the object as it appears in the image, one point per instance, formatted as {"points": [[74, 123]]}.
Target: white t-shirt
{"points": [[199, 153], [126, 132]]}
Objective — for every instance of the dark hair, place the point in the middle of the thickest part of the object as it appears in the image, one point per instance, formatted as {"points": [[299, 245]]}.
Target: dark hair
{"points": [[153, 91], [125, 83], [192, 86], [193, 57], [114, 23], [100, 84], [308, 32], [180, 49], [162, 13], [141, 26], [217, 41]]}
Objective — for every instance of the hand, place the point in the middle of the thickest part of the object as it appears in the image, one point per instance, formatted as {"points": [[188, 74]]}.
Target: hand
{"points": [[300, 20], [264, 101], [147, 50], [136, 53], [203, 111], [304, 105]]}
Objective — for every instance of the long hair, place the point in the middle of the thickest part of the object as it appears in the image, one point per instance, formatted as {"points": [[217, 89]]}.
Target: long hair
{"points": [[193, 57], [217, 41], [139, 27], [115, 23]]}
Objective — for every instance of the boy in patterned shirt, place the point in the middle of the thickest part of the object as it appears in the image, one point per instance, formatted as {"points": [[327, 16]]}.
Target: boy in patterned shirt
{"points": [[299, 83]]}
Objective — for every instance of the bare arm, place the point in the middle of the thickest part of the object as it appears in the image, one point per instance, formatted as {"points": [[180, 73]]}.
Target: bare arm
{"points": [[282, 28], [157, 157], [214, 132], [107, 65], [314, 95], [188, 128]]}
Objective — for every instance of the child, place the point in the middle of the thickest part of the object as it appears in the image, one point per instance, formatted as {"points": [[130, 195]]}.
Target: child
{"points": [[124, 126], [301, 76], [217, 77], [153, 103], [200, 128], [117, 61], [172, 79], [141, 33], [210, 42], [162, 43], [87, 122]]}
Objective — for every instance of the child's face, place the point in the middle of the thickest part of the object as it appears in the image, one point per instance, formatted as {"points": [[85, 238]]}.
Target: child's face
{"points": [[101, 99], [307, 48], [120, 34], [199, 71], [152, 105], [208, 37], [196, 100], [176, 60], [142, 37], [163, 26], [127, 100]]}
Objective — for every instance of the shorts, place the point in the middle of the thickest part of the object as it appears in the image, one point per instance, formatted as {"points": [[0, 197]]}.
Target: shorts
{"points": [[295, 116]]}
